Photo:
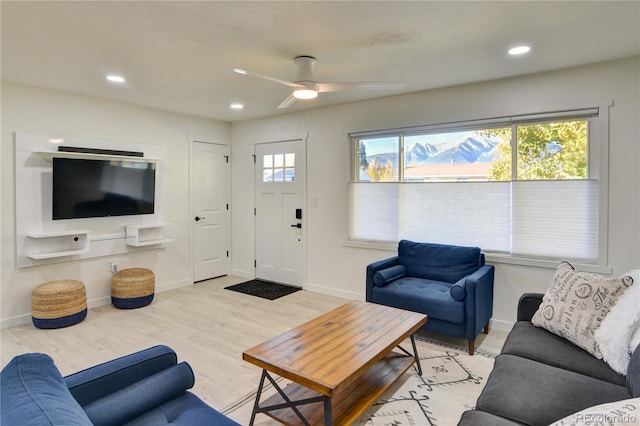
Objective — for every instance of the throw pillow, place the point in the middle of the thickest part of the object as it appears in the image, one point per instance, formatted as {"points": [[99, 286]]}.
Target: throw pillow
{"points": [[611, 413], [616, 336], [385, 276], [576, 303]]}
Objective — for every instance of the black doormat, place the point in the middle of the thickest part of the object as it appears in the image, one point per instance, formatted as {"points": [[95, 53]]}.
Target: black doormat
{"points": [[264, 289]]}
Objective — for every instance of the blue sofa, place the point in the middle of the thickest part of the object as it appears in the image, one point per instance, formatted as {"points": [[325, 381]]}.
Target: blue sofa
{"points": [[143, 388], [450, 284]]}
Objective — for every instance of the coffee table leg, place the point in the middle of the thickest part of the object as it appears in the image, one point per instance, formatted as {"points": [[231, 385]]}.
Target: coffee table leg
{"points": [[328, 415], [257, 403], [415, 354]]}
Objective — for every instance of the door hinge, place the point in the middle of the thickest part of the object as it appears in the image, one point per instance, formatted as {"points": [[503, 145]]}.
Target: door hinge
{"points": [[227, 253], [254, 158], [255, 263], [227, 206], [255, 211]]}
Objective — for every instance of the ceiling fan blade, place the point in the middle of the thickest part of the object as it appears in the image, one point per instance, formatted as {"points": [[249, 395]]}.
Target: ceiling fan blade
{"points": [[266, 77], [287, 102], [338, 87]]}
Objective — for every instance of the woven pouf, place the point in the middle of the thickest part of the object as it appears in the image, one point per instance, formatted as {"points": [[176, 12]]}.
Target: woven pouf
{"points": [[132, 288], [58, 304]]}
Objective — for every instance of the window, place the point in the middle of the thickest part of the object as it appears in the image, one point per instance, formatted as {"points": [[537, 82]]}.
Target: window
{"points": [[279, 167], [520, 186]]}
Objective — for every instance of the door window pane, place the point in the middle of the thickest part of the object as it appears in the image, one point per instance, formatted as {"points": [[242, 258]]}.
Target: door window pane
{"points": [[279, 167]]}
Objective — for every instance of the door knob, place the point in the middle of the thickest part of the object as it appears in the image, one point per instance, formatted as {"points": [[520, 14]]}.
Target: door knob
{"points": [[198, 218], [297, 225]]}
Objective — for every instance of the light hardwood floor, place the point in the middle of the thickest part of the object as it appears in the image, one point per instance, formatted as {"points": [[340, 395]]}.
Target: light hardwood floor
{"points": [[207, 326]]}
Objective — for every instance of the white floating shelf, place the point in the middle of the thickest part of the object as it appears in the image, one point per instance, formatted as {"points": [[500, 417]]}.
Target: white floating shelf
{"points": [[145, 235], [52, 244], [56, 254], [48, 155]]}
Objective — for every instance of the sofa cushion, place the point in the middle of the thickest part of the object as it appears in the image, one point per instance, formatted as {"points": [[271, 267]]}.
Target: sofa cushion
{"points": [[33, 392], [438, 262], [416, 294], [477, 417], [618, 412], [576, 303], [534, 393], [633, 373], [186, 410], [141, 397], [529, 341], [104, 379], [385, 276]]}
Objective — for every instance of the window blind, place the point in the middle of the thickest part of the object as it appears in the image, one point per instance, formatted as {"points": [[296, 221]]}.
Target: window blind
{"points": [[374, 211], [471, 214], [556, 219]]}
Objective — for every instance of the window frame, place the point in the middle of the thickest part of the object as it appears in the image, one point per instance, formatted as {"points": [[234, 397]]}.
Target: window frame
{"points": [[597, 169]]}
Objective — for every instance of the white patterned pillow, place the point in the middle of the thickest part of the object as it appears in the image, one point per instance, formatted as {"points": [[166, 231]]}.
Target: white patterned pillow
{"points": [[576, 303], [625, 412]]}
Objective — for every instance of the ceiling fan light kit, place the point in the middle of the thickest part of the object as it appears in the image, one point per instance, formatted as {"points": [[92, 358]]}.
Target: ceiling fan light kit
{"points": [[306, 86]]}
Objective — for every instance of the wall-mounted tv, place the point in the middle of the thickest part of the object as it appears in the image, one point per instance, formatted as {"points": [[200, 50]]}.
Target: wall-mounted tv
{"points": [[102, 187]]}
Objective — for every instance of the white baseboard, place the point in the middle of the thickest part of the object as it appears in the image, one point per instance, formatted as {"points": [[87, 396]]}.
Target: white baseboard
{"points": [[500, 325], [243, 274], [351, 295]]}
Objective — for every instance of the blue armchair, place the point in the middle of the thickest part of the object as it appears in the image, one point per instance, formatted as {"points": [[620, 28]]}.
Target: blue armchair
{"points": [[450, 284]]}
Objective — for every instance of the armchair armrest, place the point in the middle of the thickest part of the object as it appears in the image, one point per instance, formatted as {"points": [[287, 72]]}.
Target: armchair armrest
{"points": [[479, 299], [528, 305], [374, 267], [96, 382]]}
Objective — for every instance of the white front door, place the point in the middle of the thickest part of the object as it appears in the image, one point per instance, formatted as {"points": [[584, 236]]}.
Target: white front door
{"points": [[210, 209], [280, 213]]}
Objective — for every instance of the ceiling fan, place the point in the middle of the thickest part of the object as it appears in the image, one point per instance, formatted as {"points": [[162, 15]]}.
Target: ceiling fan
{"points": [[306, 86]]}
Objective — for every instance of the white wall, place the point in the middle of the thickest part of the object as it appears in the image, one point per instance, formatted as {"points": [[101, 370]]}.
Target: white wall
{"points": [[333, 268], [34, 110]]}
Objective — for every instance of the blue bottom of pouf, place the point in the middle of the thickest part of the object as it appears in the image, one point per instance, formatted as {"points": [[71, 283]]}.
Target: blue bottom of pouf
{"points": [[133, 302], [61, 322]]}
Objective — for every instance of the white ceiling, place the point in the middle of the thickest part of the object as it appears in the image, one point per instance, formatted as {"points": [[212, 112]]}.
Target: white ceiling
{"points": [[180, 55]]}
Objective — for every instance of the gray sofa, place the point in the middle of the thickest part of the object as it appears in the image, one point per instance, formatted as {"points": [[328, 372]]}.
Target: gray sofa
{"points": [[540, 378]]}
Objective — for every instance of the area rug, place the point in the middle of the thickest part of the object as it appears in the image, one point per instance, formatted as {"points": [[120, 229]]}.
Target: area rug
{"points": [[264, 289], [450, 384]]}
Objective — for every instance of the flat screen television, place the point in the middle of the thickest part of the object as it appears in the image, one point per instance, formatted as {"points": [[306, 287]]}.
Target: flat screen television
{"points": [[99, 188]]}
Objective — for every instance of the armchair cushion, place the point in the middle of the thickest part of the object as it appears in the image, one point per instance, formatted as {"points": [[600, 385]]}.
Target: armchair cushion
{"points": [[438, 262], [34, 393], [425, 296], [388, 275]]}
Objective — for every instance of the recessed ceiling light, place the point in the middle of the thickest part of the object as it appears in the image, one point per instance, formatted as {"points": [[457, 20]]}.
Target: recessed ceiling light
{"points": [[519, 50], [236, 106], [115, 78]]}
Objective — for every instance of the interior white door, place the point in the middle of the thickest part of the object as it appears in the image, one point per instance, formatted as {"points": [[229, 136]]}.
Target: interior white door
{"points": [[280, 231], [211, 210]]}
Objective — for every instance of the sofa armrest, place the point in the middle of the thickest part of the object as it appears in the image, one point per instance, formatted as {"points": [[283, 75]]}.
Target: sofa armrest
{"points": [[96, 382], [528, 305], [374, 267]]}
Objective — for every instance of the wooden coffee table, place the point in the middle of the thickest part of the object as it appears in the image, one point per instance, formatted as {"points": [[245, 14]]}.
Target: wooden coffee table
{"points": [[339, 363]]}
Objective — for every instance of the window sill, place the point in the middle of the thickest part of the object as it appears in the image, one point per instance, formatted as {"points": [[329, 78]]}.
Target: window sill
{"points": [[490, 257]]}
